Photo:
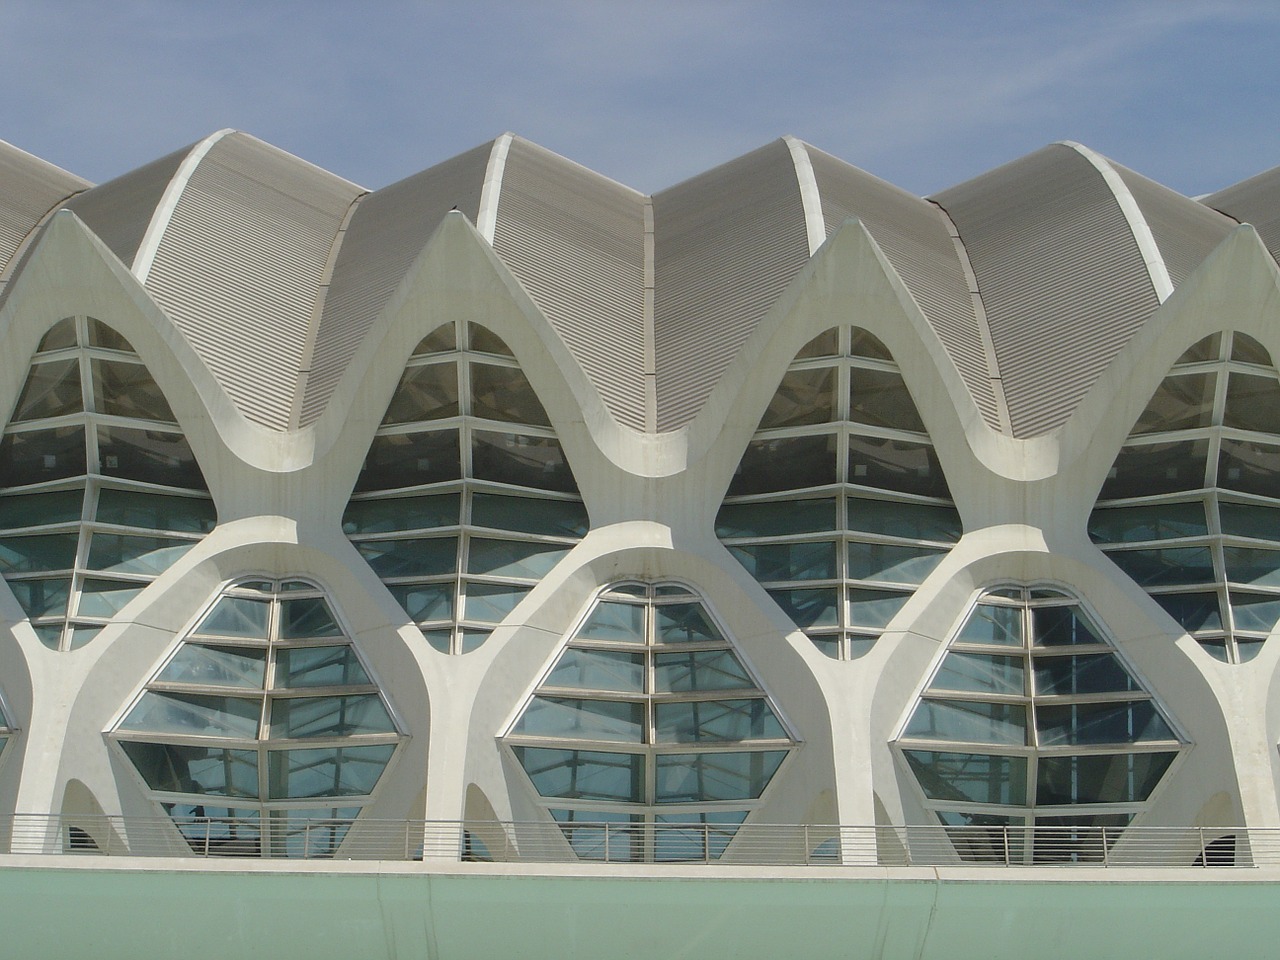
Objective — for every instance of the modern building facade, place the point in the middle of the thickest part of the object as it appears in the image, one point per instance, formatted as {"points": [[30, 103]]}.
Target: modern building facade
{"points": [[509, 495]]}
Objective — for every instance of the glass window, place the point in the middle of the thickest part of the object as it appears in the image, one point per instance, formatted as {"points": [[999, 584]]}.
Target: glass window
{"points": [[127, 390], [1156, 468], [623, 649], [786, 463], [1011, 738], [214, 666], [263, 693], [1181, 402], [410, 460], [52, 390], [427, 392], [805, 396], [504, 394]]}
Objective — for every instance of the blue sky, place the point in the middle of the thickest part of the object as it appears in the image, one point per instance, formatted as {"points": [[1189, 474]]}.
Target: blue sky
{"points": [[925, 93]]}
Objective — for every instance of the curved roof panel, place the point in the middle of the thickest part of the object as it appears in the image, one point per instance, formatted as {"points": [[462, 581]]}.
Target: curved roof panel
{"points": [[120, 210], [914, 235], [1185, 231], [726, 244], [577, 242], [1255, 201], [30, 189], [387, 231], [240, 264], [1032, 275], [1061, 275]]}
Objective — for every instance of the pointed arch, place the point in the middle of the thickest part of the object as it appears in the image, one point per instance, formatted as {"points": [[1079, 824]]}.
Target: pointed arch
{"points": [[1191, 506], [99, 489], [839, 506], [466, 498]]}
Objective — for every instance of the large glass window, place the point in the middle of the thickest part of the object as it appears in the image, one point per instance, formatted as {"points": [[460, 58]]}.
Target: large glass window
{"points": [[1191, 507], [1032, 719], [466, 499], [259, 722], [648, 728], [99, 490], [839, 506]]}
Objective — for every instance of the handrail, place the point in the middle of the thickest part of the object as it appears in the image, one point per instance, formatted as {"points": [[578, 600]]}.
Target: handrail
{"points": [[766, 844]]}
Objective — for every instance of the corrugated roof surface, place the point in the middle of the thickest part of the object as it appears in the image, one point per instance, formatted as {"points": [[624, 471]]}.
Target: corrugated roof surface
{"points": [[575, 239], [240, 264], [726, 244], [387, 232], [913, 234], [119, 210], [1255, 201], [29, 189], [1185, 231], [1062, 279]]}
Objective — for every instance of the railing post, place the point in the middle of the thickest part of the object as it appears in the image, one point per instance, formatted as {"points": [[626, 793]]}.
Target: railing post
{"points": [[806, 844], [1105, 858], [706, 842], [1005, 831], [208, 830], [606, 841], [1204, 853], [306, 839]]}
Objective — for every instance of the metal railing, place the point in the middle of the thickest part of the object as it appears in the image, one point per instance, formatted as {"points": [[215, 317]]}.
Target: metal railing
{"points": [[816, 845]]}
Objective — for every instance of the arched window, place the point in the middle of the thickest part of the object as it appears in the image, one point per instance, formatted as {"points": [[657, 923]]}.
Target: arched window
{"points": [[99, 490], [650, 722], [839, 507], [466, 499], [263, 732], [1191, 507], [1032, 719]]}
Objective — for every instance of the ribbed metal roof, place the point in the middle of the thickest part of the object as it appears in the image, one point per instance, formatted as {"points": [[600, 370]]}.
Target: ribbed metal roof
{"points": [[1185, 231], [576, 241], [1255, 201], [726, 244], [913, 234], [1033, 275], [120, 210], [240, 263], [1061, 275], [387, 232], [30, 189]]}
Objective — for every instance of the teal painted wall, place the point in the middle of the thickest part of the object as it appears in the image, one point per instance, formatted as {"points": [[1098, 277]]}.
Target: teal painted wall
{"points": [[77, 913]]}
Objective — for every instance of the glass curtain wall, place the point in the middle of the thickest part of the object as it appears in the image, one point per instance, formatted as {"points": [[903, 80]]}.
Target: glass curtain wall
{"points": [[466, 499], [1032, 718], [99, 490], [649, 739], [263, 733], [1191, 508], [839, 506]]}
